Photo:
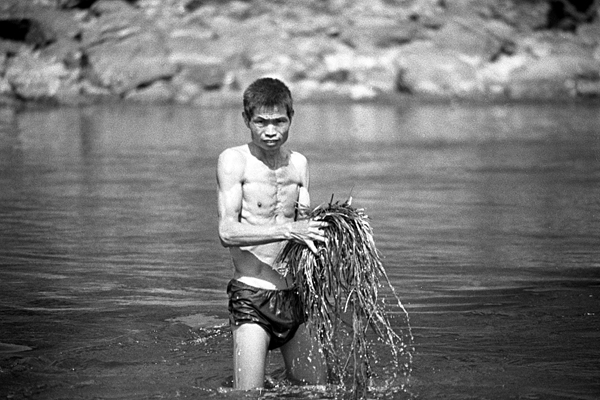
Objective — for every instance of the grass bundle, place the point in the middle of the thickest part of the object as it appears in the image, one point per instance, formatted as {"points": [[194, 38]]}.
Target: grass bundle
{"points": [[339, 286]]}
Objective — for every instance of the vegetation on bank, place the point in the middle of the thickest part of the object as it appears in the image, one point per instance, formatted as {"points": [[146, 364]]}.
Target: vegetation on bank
{"points": [[207, 51]]}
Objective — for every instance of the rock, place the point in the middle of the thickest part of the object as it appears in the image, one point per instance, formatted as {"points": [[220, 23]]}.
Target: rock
{"points": [[198, 73], [558, 67], [6, 91], [434, 72], [367, 70], [157, 92], [58, 25], [496, 75], [124, 65], [188, 46], [35, 78], [115, 8], [12, 47], [196, 51], [67, 51], [539, 90], [210, 76], [185, 91], [470, 38], [25, 30], [302, 22], [110, 29], [587, 88], [555, 77], [67, 4], [523, 15], [590, 33], [381, 34], [542, 44]]}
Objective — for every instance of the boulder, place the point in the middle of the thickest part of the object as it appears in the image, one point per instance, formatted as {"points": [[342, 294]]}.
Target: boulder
{"points": [[157, 92], [210, 76], [495, 75], [434, 72], [13, 47], [193, 51], [35, 78], [470, 38], [124, 50], [190, 48], [525, 16], [555, 77], [542, 44], [382, 33], [127, 64], [188, 45], [57, 25], [5, 89], [375, 71], [590, 33], [110, 28], [558, 67], [25, 30], [185, 91]]}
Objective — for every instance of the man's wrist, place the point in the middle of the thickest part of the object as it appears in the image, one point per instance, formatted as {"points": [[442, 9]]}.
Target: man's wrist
{"points": [[287, 230]]}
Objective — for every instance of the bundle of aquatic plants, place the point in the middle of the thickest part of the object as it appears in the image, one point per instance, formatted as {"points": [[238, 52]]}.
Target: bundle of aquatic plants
{"points": [[339, 286]]}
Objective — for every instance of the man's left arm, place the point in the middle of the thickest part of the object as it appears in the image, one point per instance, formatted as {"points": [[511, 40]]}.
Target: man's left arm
{"points": [[303, 203]]}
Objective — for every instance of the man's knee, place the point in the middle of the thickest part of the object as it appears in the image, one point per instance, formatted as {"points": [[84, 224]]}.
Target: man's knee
{"points": [[304, 358], [250, 347]]}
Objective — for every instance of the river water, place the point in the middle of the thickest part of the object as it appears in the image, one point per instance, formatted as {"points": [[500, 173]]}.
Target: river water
{"points": [[112, 280]]}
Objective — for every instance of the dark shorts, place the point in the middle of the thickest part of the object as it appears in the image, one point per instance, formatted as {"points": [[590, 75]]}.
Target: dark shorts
{"points": [[279, 312]]}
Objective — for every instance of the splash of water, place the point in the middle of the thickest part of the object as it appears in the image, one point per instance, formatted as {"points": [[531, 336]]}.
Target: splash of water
{"points": [[340, 287]]}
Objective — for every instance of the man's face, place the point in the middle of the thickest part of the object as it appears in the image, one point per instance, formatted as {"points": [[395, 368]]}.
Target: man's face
{"points": [[269, 127]]}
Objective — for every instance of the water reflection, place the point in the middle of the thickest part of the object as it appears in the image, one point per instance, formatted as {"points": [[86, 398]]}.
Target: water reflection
{"points": [[488, 218]]}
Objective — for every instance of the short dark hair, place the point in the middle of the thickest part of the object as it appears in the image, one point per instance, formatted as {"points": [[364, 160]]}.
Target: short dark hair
{"points": [[267, 92]]}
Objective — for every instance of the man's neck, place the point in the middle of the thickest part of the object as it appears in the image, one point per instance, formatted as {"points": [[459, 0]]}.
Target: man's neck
{"points": [[272, 159]]}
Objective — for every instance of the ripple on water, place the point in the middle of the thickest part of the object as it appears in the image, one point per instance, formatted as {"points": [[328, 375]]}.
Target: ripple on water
{"points": [[6, 348]]}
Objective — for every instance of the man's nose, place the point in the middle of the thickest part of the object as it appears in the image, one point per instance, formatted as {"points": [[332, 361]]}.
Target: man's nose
{"points": [[270, 130]]}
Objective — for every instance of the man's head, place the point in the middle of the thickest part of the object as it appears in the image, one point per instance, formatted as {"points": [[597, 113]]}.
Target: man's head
{"points": [[268, 113], [267, 93]]}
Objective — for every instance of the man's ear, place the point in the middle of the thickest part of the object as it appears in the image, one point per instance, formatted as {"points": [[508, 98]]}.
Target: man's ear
{"points": [[246, 119]]}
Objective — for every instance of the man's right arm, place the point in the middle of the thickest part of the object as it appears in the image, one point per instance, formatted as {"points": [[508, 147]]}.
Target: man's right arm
{"points": [[230, 175]]}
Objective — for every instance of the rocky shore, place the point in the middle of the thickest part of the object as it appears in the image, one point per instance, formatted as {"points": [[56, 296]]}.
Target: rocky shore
{"points": [[204, 52]]}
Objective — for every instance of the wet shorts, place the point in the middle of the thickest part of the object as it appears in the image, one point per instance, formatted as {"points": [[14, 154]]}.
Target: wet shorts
{"points": [[279, 312]]}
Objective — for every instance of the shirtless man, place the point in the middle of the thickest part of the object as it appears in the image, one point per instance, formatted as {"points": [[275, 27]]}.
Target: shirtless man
{"points": [[260, 186]]}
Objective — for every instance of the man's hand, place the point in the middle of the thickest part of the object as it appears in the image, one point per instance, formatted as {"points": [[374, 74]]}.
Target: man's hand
{"points": [[308, 231]]}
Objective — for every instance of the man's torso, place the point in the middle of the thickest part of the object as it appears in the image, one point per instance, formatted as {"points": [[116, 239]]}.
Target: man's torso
{"points": [[269, 196]]}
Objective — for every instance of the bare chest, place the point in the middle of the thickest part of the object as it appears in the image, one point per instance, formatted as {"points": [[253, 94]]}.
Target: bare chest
{"points": [[270, 193]]}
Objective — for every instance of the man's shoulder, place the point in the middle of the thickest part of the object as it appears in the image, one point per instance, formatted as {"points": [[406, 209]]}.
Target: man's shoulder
{"points": [[232, 161], [298, 158], [234, 155], [236, 151]]}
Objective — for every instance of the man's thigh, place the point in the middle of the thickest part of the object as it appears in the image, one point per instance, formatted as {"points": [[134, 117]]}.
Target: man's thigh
{"points": [[304, 359], [250, 347]]}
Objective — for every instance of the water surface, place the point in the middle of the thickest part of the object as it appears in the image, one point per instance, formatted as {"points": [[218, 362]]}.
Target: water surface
{"points": [[112, 278]]}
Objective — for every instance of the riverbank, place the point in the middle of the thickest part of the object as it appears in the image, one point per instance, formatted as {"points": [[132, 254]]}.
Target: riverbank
{"points": [[205, 52]]}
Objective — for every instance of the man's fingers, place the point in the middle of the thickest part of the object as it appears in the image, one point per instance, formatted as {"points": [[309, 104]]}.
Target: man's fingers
{"points": [[319, 224], [311, 246]]}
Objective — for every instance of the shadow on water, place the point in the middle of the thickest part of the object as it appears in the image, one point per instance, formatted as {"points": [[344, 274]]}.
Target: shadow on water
{"points": [[112, 280]]}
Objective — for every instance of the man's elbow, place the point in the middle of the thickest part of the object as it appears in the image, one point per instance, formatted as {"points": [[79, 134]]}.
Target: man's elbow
{"points": [[225, 238]]}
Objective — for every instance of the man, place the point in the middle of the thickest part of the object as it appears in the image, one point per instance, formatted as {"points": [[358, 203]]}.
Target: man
{"points": [[260, 188]]}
